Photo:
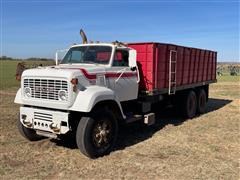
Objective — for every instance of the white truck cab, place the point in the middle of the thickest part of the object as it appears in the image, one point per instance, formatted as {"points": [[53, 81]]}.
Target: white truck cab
{"points": [[81, 94]]}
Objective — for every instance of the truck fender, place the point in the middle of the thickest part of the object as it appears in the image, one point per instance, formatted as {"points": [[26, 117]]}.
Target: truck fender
{"points": [[88, 98], [18, 97]]}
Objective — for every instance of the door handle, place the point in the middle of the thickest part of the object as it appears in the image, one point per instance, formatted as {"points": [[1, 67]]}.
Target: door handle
{"points": [[122, 71]]}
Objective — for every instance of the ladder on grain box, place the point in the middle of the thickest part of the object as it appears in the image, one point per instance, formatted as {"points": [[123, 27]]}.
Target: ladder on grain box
{"points": [[172, 81]]}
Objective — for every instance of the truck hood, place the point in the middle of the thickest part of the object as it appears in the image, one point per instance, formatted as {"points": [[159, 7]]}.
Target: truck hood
{"points": [[63, 71]]}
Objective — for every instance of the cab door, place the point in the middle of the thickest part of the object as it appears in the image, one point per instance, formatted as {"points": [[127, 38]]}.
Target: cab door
{"points": [[121, 78]]}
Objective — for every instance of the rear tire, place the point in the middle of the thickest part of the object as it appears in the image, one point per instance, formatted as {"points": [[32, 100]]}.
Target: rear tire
{"points": [[96, 135], [28, 133], [202, 101], [190, 105]]}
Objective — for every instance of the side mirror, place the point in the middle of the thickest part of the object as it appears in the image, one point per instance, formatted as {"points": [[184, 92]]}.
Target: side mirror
{"points": [[56, 58], [64, 51], [132, 60]]}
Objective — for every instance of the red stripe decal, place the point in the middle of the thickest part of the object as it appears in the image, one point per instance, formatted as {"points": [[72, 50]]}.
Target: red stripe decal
{"points": [[107, 75], [87, 75]]}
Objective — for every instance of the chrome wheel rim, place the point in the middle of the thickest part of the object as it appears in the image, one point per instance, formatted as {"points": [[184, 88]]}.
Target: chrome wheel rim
{"points": [[102, 134]]}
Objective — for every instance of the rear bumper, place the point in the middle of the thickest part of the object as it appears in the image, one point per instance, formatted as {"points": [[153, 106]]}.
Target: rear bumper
{"points": [[51, 121]]}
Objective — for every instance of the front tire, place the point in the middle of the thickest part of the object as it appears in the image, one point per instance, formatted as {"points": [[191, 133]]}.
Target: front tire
{"points": [[27, 133], [96, 135]]}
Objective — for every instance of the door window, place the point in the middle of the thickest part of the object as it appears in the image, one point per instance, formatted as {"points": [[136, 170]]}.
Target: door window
{"points": [[121, 58]]}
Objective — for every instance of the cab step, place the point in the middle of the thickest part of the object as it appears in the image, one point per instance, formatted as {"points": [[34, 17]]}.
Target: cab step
{"points": [[148, 119]]}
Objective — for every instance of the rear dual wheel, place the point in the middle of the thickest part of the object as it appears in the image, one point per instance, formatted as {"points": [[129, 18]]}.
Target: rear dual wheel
{"points": [[202, 101], [190, 104], [194, 103]]}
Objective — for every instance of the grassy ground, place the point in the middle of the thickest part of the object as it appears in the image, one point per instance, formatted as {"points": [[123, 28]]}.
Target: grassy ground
{"points": [[227, 78], [206, 147], [8, 71]]}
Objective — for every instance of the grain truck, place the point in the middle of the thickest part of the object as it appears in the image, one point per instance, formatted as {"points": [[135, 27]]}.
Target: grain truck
{"points": [[97, 86]]}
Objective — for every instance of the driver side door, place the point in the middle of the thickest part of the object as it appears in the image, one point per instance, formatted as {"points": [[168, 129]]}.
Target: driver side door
{"points": [[122, 80]]}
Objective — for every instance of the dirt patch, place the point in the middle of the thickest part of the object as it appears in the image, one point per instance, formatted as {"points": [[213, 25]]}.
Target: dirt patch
{"points": [[206, 147]]}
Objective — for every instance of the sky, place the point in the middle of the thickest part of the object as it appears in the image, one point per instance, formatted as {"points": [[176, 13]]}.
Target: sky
{"points": [[38, 28]]}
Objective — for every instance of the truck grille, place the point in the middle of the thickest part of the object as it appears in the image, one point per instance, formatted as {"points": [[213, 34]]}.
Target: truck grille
{"points": [[42, 121], [46, 88]]}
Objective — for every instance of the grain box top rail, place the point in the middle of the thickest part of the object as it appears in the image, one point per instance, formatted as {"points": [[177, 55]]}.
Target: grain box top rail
{"points": [[170, 44]]}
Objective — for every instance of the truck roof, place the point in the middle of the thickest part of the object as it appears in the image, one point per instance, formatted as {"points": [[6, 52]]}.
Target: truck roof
{"points": [[100, 44]]}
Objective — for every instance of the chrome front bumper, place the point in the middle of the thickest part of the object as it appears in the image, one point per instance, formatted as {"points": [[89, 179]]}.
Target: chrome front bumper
{"points": [[45, 120]]}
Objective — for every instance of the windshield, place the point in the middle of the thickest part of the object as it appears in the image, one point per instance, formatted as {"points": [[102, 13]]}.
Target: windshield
{"points": [[88, 54]]}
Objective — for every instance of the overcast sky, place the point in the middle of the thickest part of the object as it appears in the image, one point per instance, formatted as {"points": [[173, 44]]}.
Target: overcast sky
{"points": [[39, 28]]}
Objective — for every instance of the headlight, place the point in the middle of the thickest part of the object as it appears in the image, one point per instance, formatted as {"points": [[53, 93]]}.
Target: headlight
{"points": [[27, 92], [62, 95]]}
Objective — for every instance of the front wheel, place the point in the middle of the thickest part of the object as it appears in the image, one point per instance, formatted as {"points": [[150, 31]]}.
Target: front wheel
{"points": [[96, 135]]}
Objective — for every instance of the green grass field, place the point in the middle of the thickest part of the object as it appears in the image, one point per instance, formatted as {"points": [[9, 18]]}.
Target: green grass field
{"points": [[8, 71], [226, 78]]}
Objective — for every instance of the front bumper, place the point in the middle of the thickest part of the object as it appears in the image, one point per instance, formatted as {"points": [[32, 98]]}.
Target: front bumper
{"points": [[51, 121]]}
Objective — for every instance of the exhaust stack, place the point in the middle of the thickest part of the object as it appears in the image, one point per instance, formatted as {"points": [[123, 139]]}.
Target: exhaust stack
{"points": [[84, 37]]}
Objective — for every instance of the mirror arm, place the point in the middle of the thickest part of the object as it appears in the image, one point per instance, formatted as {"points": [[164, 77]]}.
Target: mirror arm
{"points": [[138, 75], [122, 71], [133, 68]]}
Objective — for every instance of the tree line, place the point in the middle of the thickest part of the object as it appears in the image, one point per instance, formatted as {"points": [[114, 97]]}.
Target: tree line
{"points": [[27, 59]]}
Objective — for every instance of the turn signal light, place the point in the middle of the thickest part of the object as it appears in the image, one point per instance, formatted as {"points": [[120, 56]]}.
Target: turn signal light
{"points": [[74, 81]]}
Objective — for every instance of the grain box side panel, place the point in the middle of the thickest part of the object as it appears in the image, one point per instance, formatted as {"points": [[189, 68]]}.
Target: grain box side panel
{"points": [[186, 62], [180, 64], [194, 58], [192, 64], [161, 62], [209, 73], [211, 66], [163, 65], [214, 65], [206, 67], [150, 67], [145, 64], [141, 62], [200, 69], [196, 68]]}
